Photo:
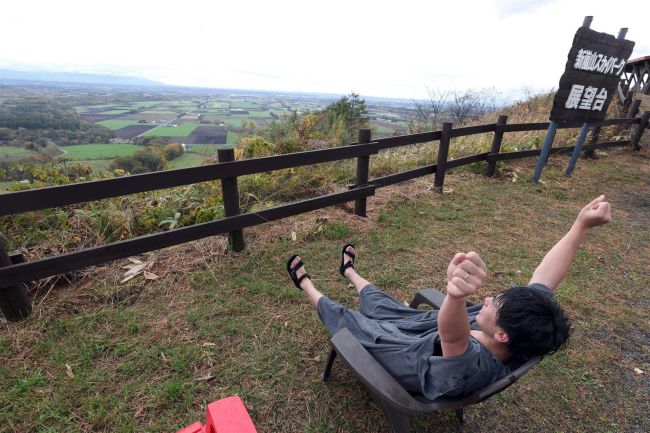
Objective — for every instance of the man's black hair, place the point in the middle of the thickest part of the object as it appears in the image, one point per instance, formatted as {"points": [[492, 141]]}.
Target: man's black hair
{"points": [[534, 322]]}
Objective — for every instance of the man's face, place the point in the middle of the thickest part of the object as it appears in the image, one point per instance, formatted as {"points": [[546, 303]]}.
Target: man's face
{"points": [[487, 317]]}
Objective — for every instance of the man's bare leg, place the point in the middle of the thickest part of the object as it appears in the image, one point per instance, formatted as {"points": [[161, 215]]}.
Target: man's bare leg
{"points": [[357, 281], [307, 285]]}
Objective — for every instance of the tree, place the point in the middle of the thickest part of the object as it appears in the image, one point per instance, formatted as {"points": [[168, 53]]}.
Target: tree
{"points": [[346, 116], [173, 151], [139, 162]]}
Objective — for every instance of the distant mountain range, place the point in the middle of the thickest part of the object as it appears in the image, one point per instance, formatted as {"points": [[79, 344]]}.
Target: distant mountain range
{"points": [[75, 77]]}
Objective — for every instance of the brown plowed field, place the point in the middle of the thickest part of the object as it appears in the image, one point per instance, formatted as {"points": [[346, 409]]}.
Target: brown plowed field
{"points": [[132, 130], [98, 117], [149, 116], [204, 135]]}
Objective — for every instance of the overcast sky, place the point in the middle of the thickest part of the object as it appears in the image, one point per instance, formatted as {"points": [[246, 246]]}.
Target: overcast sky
{"points": [[376, 48]]}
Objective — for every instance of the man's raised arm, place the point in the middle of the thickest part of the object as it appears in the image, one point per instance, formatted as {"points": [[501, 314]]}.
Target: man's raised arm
{"points": [[465, 274], [554, 266]]}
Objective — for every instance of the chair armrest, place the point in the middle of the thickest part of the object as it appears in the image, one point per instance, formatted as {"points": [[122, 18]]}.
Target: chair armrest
{"points": [[432, 297], [377, 380]]}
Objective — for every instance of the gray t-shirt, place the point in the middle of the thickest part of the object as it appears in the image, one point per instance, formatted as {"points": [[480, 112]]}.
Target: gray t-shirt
{"points": [[406, 342]]}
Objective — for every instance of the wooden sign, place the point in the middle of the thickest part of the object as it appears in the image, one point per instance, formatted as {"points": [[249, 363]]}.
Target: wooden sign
{"points": [[595, 63]]}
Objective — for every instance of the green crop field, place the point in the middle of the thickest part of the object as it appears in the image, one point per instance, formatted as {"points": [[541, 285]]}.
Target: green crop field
{"points": [[259, 113], [232, 138], [187, 160], [234, 121], [183, 130], [243, 104], [117, 123], [143, 104], [164, 111], [205, 149], [83, 152]]}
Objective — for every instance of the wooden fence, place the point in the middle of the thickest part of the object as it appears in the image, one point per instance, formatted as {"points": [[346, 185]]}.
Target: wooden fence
{"points": [[15, 304]]}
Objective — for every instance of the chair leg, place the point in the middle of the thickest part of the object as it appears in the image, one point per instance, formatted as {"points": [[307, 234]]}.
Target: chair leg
{"points": [[399, 421], [328, 367], [460, 414]]}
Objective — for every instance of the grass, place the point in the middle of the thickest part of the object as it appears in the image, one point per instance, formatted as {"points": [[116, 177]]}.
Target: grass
{"points": [[232, 138], [235, 121], [82, 152], [187, 160], [258, 113], [236, 103], [206, 149], [182, 130], [147, 356]]}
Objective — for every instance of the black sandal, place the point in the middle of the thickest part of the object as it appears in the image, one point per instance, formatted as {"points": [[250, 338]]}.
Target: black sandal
{"points": [[349, 264], [293, 272]]}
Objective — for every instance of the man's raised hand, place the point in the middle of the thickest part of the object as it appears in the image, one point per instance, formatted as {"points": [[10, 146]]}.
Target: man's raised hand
{"points": [[596, 213], [465, 274]]}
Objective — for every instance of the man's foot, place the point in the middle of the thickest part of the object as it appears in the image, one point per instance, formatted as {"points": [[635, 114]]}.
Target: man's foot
{"points": [[296, 269], [348, 254]]}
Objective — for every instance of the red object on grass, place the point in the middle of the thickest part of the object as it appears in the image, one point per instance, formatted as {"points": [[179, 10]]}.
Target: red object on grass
{"points": [[228, 415]]}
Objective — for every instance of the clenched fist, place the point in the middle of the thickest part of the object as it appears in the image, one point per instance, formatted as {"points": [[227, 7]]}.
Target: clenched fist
{"points": [[596, 213], [465, 273]]}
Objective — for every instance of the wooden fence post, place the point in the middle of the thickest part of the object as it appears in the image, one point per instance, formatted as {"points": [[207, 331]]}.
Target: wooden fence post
{"points": [[645, 119], [496, 145], [363, 167], [595, 134], [231, 200], [14, 302], [443, 151]]}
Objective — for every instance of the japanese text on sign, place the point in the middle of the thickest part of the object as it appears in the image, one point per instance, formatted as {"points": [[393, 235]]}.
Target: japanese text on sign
{"points": [[586, 98], [588, 60]]}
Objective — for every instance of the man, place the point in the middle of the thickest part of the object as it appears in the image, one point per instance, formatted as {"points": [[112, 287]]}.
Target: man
{"points": [[458, 350]]}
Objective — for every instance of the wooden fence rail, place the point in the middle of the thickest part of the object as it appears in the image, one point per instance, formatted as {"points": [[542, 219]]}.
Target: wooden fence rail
{"points": [[15, 305]]}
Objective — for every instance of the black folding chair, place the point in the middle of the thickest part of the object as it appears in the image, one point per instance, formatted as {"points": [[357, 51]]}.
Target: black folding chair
{"points": [[398, 403]]}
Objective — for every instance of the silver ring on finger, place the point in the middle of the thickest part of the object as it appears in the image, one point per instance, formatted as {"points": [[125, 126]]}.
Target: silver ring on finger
{"points": [[467, 277]]}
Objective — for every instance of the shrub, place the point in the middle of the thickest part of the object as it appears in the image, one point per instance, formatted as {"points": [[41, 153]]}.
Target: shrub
{"points": [[139, 162], [256, 146], [173, 151]]}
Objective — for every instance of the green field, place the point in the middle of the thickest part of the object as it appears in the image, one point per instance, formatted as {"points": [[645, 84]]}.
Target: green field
{"points": [[182, 130], [259, 113], [232, 138], [83, 152], [187, 160], [159, 112], [243, 104], [117, 123], [205, 149], [234, 120]]}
